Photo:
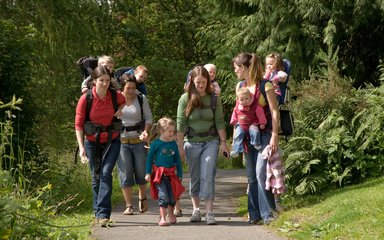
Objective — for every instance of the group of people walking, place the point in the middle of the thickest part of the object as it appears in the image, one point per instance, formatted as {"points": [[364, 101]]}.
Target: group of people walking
{"points": [[121, 123]]}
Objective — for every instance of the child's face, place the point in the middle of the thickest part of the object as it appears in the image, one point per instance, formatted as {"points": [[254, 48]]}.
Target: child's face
{"points": [[244, 99], [270, 63], [212, 73], [141, 76], [168, 133], [107, 64]]}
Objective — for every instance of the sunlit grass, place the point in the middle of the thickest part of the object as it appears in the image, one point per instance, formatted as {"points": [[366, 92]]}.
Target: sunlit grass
{"points": [[355, 212]]}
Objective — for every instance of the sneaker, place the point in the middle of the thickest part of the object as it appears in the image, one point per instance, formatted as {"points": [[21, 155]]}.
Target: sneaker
{"points": [[104, 222], [234, 154], [196, 216], [178, 213], [210, 219], [269, 220]]}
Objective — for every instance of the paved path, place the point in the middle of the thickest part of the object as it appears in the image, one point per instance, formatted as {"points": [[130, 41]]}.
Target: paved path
{"points": [[230, 184]]}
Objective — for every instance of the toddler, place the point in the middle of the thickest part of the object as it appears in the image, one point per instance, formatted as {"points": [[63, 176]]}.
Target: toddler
{"points": [[164, 170], [248, 117], [275, 72]]}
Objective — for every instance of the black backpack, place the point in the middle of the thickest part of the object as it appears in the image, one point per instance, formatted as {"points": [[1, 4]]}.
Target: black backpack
{"points": [[86, 65]]}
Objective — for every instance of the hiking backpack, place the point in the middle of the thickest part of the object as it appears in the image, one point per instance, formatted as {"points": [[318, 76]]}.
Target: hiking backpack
{"points": [[86, 65]]}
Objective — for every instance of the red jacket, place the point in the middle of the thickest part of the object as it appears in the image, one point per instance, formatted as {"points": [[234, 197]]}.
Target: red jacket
{"points": [[156, 176]]}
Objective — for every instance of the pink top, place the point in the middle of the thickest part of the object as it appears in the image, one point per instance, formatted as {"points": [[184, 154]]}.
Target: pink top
{"points": [[248, 115], [102, 112]]}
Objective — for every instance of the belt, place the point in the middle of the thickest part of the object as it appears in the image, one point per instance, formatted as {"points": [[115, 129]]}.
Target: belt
{"points": [[130, 141]]}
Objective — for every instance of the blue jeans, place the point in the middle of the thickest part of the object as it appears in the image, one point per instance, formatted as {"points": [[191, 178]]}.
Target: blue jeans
{"points": [[240, 134], [131, 164], [260, 201], [165, 193], [202, 161], [102, 186]]}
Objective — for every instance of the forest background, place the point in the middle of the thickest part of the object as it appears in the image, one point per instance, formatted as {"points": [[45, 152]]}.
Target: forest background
{"points": [[335, 47]]}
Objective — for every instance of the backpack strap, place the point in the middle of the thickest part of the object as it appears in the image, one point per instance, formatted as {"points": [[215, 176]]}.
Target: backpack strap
{"points": [[140, 99], [213, 102], [89, 98]]}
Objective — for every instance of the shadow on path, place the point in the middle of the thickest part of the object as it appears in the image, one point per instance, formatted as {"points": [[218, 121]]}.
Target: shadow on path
{"points": [[230, 185]]}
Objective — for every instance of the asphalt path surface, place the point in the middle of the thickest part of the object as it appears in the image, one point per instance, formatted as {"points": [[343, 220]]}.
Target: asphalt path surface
{"points": [[230, 185]]}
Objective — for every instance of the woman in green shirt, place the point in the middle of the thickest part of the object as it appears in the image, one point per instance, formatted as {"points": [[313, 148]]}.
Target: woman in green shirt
{"points": [[200, 133]]}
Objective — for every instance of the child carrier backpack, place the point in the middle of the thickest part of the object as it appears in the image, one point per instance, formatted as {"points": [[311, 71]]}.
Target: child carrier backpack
{"points": [[284, 98], [120, 71], [286, 118], [86, 65]]}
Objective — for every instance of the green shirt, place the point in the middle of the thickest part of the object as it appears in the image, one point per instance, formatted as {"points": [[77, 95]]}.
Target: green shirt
{"points": [[200, 119]]}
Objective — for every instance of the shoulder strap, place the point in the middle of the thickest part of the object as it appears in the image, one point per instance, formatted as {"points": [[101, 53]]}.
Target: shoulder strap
{"points": [[262, 89], [114, 99], [89, 98], [140, 99]]}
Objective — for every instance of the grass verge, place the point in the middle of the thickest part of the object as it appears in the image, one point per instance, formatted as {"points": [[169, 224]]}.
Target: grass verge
{"points": [[355, 212]]}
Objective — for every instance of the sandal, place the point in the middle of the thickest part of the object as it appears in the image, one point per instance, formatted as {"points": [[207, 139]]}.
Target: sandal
{"points": [[128, 211], [143, 204]]}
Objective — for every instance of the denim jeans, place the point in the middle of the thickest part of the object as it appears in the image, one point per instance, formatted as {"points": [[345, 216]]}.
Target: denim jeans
{"points": [[202, 161], [102, 187], [260, 201], [240, 134], [165, 193], [131, 164]]}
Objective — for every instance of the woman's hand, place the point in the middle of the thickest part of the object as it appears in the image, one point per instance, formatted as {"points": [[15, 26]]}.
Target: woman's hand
{"points": [[144, 136], [274, 142], [224, 149]]}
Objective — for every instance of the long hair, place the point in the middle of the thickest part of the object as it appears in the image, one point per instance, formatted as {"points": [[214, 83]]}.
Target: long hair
{"points": [[253, 63], [194, 98]]}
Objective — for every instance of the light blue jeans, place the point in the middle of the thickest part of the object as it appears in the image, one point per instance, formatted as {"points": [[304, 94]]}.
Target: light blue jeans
{"points": [[102, 187], [131, 164], [240, 134], [260, 201], [202, 162]]}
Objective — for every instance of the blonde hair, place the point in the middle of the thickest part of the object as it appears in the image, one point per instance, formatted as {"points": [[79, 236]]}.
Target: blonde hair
{"points": [[278, 61], [162, 124], [243, 91], [106, 59], [142, 68]]}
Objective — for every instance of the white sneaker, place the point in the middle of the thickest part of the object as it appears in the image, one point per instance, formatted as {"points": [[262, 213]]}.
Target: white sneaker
{"points": [[196, 216], [210, 219], [234, 154], [257, 147]]}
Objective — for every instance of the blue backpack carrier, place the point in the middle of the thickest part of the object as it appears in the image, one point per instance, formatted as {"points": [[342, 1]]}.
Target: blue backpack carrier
{"points": [[284, 98]]}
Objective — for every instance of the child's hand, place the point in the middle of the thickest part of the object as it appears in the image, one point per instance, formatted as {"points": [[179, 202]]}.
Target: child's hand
{"points": [[84, 90], [262, 126], [148, 177]]}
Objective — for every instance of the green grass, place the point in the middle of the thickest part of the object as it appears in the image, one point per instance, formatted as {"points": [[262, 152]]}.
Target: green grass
{"points": [[355, 212]]}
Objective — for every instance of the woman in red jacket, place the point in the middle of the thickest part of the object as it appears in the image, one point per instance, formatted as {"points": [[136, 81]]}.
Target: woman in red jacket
{"points": [[102, 143]]}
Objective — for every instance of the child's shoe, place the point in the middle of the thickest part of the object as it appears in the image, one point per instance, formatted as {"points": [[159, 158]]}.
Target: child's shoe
{"points": [[234, 154], [257, 147]]}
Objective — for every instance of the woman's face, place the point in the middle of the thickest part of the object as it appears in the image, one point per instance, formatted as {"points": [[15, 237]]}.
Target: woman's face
{"points": [[240, 72], [102, 82], [200, 84], [129, 89]]}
